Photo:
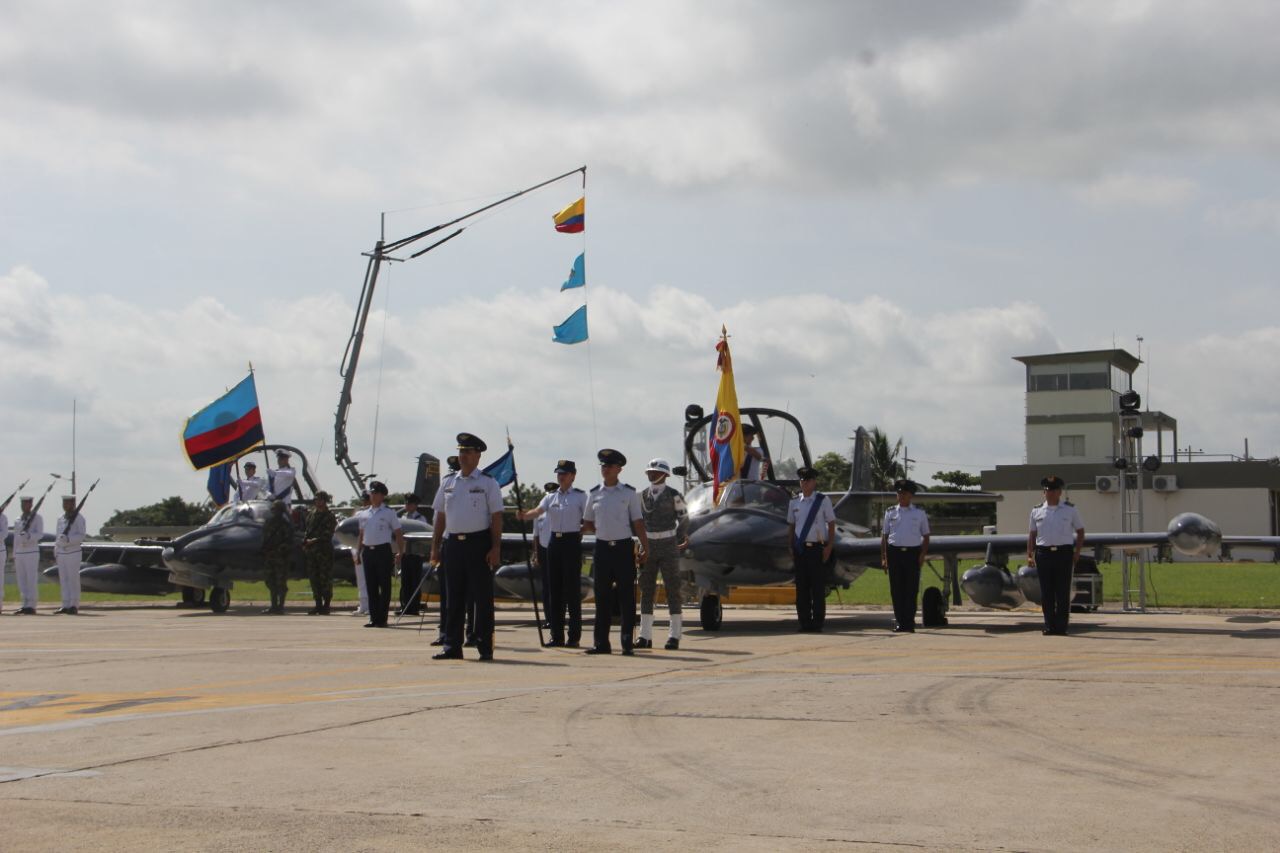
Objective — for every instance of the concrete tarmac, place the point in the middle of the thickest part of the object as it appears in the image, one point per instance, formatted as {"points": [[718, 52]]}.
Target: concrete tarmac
{"points": [[159, 729]]}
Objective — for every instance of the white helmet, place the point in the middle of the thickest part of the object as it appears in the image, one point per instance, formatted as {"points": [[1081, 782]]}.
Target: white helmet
{"points": [[660, 466]]}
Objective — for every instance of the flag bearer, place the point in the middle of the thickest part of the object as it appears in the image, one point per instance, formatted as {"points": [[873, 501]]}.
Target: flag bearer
{"points": [[66, 551], [27, 532], [811, 530], [467, 532], [251, 487], [282, 478], [613, 513], [666, 523], [561, 511], [904, 545]]}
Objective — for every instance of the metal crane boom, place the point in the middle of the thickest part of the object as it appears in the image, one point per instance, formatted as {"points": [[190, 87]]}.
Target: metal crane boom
{"points": [[351, 357]]}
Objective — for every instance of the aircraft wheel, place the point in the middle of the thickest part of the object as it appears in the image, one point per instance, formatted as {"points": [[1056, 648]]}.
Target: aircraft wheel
{"points": [[933, 608], [219, 599], [712, 613], [191, 597]]}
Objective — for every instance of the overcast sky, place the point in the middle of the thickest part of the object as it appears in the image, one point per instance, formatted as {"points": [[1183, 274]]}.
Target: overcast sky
{"points": [[884, 203]]}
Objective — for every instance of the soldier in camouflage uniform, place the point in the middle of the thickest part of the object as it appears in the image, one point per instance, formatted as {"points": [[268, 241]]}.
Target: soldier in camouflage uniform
{"points": [[317, 547], [667, 521], [277, 554]]}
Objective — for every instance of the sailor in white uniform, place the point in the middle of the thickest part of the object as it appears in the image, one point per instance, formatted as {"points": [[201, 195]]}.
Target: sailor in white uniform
{"points": [[251, 487], [282, 478], [27, 531], [66, 551]]}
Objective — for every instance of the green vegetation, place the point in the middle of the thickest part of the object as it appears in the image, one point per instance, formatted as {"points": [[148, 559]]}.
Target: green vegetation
{"points": [[170, 512], [1253, 585], [1246, 585]]}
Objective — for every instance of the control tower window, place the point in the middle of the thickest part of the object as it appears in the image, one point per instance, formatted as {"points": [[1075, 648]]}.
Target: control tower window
{"points": [[1071, 445]]}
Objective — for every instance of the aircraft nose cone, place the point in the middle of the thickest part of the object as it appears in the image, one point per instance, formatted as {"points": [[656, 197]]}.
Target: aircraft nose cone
{"points": [[1194, 535]]}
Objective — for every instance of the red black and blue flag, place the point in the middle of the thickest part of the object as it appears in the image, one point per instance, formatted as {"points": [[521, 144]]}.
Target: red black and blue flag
{"points": [[224, 429]]}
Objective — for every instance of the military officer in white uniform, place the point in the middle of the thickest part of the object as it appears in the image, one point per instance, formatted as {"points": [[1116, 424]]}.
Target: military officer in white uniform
{"points": [[904, 546], [380, 529], [561, 512], [251, 487], [362, 588], [614, 513], [4, 555], [27, 532], [468, 518], [282, 478], [1053, 546], [754, 466], [66, 551], [811, 530]]}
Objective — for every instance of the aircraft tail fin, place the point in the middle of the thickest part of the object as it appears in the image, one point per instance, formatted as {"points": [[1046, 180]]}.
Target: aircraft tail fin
{"points": [[426, 482], [855, 506]]}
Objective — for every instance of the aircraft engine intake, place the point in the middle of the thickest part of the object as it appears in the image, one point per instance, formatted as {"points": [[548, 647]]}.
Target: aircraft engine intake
{"points": [[1194, 535], [992, 586]]}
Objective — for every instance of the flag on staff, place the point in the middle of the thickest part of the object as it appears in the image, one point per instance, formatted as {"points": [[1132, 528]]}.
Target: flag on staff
{"points": [[224, 429], [577, 275], [572, 219], [574, 329], [503, 469], [220, 483], [725, 441]]}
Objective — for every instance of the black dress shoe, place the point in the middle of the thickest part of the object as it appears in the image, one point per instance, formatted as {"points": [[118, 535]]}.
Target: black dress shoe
{"points": [[64, 610], [486, 656], [572, 644], [599, 650], [469, 643], [28, 611], [371, 624], [672, 644], [1046, 632], [447, 656], [554, 643], [315, 611], [627, 650], [438, 641], [643, 643], [75, 611]]}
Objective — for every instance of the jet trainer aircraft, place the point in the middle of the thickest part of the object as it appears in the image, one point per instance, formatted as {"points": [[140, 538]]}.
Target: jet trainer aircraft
{"points": [[211, 558], [741, 540]]}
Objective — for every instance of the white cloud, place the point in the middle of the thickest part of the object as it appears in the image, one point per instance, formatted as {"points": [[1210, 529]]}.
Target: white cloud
{"points": [[944, 381], [1141, 190], [1252, 214]]}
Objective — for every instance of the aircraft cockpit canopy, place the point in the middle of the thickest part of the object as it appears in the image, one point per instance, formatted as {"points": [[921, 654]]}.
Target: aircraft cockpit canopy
{"points": [[244, 511], [755, 494]]}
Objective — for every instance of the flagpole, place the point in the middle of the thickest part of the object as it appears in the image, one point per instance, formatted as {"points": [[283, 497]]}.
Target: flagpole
{"points": [[524, 537]]}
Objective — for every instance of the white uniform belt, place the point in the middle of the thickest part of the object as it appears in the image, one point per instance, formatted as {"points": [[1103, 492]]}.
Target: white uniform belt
{"points": [[661, 534]]}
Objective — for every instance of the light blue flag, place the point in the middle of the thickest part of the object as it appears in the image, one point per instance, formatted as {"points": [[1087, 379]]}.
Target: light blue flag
{"points": [[503, 469], [577, 275], [574, 329]]}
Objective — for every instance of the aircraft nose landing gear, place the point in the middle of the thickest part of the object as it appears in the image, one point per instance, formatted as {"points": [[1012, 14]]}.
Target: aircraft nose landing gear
{"points": [[219, 599], [711, 612]]}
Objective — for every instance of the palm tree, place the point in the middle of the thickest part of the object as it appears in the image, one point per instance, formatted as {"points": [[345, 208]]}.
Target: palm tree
{"points": [[885, 467]]}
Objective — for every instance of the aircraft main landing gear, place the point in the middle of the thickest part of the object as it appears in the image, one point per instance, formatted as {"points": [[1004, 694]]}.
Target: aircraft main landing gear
{"points": [[219, 599], [192, 597], [712, 613]]}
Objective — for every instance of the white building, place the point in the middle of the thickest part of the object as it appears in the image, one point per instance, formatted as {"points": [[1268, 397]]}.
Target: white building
{"points": [[1074, 430]]}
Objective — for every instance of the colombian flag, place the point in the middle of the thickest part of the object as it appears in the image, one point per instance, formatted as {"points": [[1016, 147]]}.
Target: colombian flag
{"points": [[572, 219], [224, 429], [725, 441]]}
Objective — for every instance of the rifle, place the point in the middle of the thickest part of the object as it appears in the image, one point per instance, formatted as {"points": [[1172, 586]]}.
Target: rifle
{"points": [[13, 494], [26, 524], [80, 506]]}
